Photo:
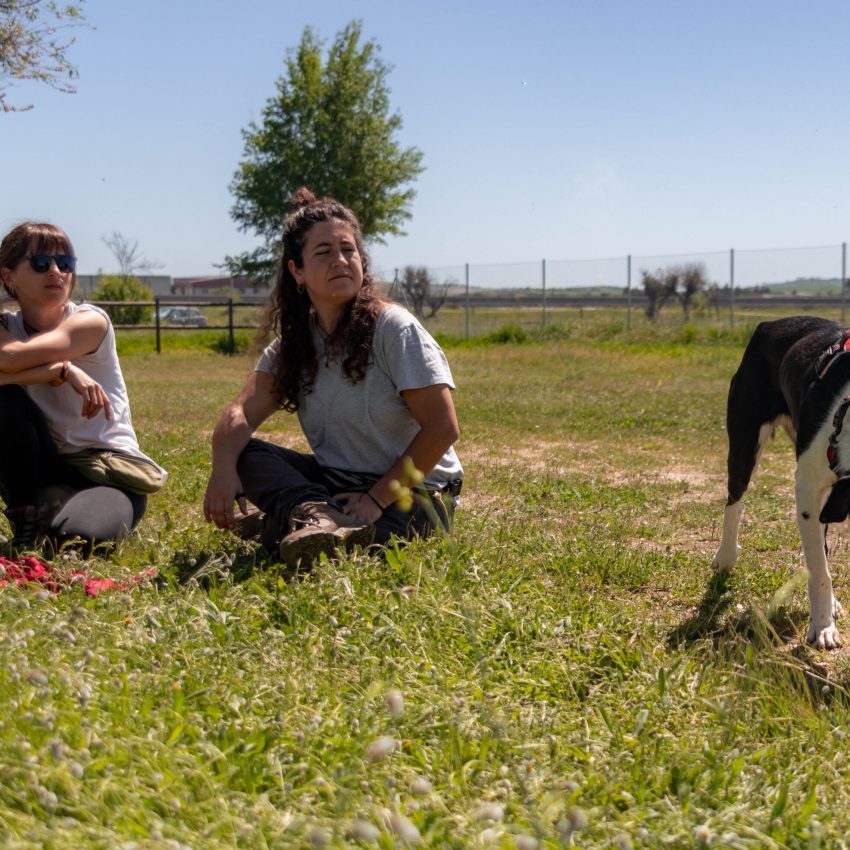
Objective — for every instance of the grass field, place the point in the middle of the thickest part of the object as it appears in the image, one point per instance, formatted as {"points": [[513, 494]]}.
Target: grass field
{"points": [[563, 669]]}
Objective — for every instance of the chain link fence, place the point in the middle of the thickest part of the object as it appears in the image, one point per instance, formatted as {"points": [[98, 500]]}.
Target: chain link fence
{"points": [[471, 299]]}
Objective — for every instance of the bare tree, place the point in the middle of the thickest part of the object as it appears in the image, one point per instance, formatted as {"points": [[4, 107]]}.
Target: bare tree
{"points": [[126, 253], [32, 46], [684, 282], [659, 288], [693, 280], [421, 291]]}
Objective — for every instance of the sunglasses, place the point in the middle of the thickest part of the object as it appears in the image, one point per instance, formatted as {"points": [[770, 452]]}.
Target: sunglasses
{"points": [[40, 263]]}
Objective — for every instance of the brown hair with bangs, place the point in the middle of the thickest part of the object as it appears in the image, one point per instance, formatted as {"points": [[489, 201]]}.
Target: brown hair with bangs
{"points": [[34, 238]]}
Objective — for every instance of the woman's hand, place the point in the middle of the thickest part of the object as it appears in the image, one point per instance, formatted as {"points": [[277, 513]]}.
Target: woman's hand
{"points": [[222, 491], [360, 506], [94, 396], [237, 422]]}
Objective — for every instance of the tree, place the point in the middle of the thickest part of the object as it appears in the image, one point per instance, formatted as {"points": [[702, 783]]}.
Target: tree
{"points": [[659, 288], [419, 291], [32, 46], [126, 253], [120, 287], [125, 286], [693, 281], [684, 282], [329, 127]]}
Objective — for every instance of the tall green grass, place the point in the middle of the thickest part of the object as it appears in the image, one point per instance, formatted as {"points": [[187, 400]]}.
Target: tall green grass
{"points": [[563, 669]]}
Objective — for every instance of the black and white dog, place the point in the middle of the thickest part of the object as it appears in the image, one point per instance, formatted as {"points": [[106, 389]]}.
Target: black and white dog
{"points": [[795, 373]]}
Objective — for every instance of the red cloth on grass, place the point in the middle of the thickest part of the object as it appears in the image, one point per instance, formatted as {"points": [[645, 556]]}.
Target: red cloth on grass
{"points": [[29, 570]]}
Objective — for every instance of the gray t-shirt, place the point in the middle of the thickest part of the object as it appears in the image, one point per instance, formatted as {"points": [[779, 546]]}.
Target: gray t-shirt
{"points": [[366, 427]]}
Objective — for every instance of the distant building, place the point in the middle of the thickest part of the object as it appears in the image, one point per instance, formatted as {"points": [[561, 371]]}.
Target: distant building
{"points": [[159, 284], [218, 285]]}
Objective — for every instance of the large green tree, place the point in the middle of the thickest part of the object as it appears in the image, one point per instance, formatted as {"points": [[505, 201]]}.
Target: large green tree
{"points": [[329, 126], [34, 44]]}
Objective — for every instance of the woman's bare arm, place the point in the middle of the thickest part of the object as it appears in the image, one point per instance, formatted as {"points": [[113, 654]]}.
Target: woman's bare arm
{"points": [[94, 397], [433, 408], [235, 427], [75, 336]]}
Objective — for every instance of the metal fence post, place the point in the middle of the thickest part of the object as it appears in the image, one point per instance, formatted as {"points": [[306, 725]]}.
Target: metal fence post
{"points": [[731, 287], [230, 325], [156, 322], [466, 311], [543, 278], [629, 291]]}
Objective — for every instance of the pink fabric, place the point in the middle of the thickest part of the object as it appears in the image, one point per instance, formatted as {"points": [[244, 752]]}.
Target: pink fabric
{"points": [[31, 570]]}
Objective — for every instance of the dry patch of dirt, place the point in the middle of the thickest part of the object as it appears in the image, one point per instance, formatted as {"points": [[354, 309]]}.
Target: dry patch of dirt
{"points": [[600, 461]]}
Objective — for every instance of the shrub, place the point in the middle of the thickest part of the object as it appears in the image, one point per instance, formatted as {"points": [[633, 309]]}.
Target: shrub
{"points": [[241, 343], [507, 334], [116, 287]]}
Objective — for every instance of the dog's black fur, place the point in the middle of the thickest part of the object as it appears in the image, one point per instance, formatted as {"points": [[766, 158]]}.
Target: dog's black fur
{"points": [[781, 381]]}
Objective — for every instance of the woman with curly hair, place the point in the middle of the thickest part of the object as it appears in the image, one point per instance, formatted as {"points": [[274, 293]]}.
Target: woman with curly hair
{"points": [[372, 391]]}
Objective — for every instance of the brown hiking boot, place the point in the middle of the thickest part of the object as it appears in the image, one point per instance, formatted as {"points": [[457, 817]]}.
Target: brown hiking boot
{"points": [[249, 526], [317, 527]]}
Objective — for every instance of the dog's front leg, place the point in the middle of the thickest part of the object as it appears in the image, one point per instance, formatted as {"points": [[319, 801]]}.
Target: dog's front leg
{"points": [[822, 633], [727, 553]]}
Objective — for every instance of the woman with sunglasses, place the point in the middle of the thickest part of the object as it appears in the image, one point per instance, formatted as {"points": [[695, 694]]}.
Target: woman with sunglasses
{"points": [[62, 394], [373, 394]]}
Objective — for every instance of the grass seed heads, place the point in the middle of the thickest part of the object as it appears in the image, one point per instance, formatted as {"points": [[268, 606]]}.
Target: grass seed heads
{"points": [[404, 828], [395, 702], [702, 835], [421, 786], [319, 837], [577, 818], [488, 811], [363, 830], [380, 748], [37, 677]]}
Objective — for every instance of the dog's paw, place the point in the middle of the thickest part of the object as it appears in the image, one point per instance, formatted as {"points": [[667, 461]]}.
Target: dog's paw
{"points": [[825, 638], [725, 558], [837, 609]]}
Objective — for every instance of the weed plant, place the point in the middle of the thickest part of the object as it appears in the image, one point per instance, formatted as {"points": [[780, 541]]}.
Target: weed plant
{"points": [[563, 669]]}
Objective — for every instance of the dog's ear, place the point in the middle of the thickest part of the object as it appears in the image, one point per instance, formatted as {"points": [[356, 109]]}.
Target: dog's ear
{"points": [[837, 505]]}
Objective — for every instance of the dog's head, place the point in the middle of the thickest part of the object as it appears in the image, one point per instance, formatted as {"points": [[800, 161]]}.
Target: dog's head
{"points": [[837, 505]]}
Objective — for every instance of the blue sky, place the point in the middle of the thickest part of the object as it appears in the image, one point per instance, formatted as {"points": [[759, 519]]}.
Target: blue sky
{"points": [[564, 130]]}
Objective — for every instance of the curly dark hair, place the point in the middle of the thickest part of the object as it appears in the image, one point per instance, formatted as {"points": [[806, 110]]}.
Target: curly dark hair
{"points": [[290, 311]]}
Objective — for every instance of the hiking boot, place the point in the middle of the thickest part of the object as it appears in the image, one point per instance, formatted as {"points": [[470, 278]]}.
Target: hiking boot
{"points": [[249, 526], [317, 527], [25, 523]]}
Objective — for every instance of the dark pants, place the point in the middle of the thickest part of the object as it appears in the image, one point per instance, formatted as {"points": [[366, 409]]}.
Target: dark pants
{"points": [[32, 473], [277, 480]]}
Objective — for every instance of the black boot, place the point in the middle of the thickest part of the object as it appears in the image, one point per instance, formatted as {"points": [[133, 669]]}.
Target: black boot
{"points": [[26, 527]]}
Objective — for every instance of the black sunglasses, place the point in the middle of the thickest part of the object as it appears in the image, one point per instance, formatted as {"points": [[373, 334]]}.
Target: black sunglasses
{"points": [[40, 263]]}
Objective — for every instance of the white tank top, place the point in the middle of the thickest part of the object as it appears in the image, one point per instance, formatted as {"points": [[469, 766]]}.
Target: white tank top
{"points": [[61, 405]]}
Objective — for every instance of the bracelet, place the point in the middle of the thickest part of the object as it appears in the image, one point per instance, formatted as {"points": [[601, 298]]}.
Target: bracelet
{"points": [[63, 375], [380, 506]]}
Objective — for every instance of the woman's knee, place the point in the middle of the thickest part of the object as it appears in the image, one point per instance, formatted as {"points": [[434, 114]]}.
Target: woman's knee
{"points": [[95, 514]]}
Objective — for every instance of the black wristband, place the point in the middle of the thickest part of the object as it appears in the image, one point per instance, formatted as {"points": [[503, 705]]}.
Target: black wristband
{"points": [[380, 506]]}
